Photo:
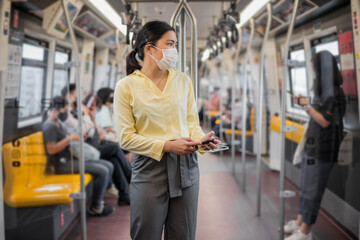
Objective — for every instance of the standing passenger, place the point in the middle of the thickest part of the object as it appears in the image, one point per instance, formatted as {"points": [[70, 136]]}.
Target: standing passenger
{"points": [[323, 138], [156, 118]]}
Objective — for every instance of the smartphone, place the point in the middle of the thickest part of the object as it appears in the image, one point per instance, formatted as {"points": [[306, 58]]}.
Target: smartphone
{"points": [[208, 141]]}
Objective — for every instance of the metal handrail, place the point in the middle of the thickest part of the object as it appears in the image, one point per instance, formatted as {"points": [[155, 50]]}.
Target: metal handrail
{"points": [[82, 195], [260, 108], [283, 112], [183, 6], [243, 137], [233, 86]]}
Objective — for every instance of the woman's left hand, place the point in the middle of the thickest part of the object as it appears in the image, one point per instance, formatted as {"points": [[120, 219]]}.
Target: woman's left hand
{"points": [[301, 100], [210, 145]]}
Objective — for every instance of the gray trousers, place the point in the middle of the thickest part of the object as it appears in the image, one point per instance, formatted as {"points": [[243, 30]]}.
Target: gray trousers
{"points": [[314, 177], [164, 195]]}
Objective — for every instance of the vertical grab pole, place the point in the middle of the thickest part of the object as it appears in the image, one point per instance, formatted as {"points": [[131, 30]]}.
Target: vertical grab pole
{"points": [[2, 108], [233, 86], [260, 108], [282, 193], [194, 56], [82, 196], [183, 6], [5, 6], [243, 128], [183, 41]]}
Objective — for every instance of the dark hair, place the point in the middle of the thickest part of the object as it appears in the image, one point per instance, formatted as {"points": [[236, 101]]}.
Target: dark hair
{"points": [[150, 33], [59, 102], [327, 79], [104, 94], [65, 90], [91, 97]]}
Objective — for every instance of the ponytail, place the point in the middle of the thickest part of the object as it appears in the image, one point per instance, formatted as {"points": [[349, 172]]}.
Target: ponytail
{"points": [[132, 63]]}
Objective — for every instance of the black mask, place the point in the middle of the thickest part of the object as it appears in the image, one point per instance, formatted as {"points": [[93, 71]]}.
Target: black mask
{"points": [[63, 116], [111, 99]]}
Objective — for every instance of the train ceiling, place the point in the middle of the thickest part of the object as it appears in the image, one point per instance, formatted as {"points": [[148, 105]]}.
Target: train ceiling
{"points": [[163, 10]]}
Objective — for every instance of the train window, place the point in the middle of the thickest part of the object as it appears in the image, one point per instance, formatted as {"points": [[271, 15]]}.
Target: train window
{"points": [[329, 43], [61, 73], [297, 74], [33, 74]]}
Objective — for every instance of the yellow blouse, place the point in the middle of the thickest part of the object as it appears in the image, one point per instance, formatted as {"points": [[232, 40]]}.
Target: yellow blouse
{"points": [[145, 118]]}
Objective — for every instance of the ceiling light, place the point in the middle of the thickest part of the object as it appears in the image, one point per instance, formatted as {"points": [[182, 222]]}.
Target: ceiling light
{"points": [[250, 10], [104, 7], [206, 55]]}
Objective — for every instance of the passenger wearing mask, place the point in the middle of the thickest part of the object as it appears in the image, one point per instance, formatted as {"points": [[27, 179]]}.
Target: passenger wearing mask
{"points": [[156, 118], [109, 151], [70, 120], [104, 116], [59, 156], [323, 138]]}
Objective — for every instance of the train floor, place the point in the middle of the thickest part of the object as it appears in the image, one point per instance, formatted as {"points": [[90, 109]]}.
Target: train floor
{"points": [[225, 212]]}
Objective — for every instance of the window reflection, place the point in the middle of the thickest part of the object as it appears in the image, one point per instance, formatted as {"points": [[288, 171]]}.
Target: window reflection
{"points": [[31, 91]]}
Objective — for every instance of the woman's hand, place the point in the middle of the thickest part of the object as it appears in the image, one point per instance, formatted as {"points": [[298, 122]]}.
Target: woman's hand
{"points": [[74, 137], [301, 100], [181, 146], [210, 145]]}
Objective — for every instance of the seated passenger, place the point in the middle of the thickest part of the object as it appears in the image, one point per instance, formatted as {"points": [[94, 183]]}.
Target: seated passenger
{"points": [[58, 153], [69, 93], [104, 116], [110, 151], [323, 138], [226, 118]]}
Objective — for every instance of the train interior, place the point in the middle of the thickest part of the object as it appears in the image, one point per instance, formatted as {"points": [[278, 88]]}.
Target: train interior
{"points": [[246, 60]]}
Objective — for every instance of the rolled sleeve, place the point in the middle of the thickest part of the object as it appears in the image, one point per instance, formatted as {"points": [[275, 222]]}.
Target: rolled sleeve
{"points": [[327, 109]]}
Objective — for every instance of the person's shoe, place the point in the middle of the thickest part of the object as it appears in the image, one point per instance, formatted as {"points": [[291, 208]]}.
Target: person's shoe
{"points": [[298, 235], [290, 227], [104, 210], [112, 192], [123, 201]]}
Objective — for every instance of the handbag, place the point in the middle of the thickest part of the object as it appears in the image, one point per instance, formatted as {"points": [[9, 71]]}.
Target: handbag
{"points": [[345, 155], [300, 147], [90, 153]]}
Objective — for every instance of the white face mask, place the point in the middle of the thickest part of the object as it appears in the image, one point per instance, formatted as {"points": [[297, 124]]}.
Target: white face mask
{"points": [[169, 59]]}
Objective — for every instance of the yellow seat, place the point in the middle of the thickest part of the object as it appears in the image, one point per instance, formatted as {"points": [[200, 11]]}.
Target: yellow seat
{"points": [[275, 125], [26, 181], [212, 113], [252, 126], [218, 121]]}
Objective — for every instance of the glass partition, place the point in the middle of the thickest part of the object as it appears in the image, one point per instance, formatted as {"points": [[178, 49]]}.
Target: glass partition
{"points": [[320, 155], [39, 178]]}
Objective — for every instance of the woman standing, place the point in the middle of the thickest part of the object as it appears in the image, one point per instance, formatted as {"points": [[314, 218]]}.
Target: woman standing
{"points": [[323, 138], [156, 118]]}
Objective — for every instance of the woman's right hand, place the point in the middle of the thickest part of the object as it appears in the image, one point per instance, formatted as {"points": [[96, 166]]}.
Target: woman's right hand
{"points": [[74, 137], [181, 146]]}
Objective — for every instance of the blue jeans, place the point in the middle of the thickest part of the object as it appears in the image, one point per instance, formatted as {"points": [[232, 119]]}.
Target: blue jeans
{"points": [[101, 170], [122, 167]]}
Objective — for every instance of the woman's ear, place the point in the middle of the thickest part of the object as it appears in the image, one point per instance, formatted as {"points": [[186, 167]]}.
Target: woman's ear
{"points": [[148, 49]]}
